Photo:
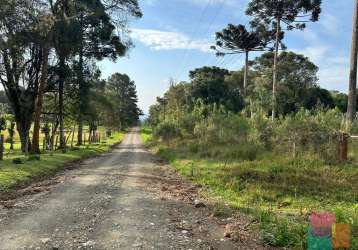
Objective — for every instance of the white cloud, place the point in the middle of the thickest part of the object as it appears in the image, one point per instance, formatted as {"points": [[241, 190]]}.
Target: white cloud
{"points": [[333, 66], [150, 2], [334, 77], [334, 71], [308, 35], [202, 2], [167, 40], [230, 3], [330, 23], [314, 53]]}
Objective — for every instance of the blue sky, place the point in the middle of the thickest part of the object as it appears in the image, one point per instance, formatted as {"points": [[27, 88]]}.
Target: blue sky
{"points": [[174, 37]]}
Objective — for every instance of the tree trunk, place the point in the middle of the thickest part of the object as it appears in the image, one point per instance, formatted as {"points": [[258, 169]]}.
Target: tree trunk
{"points": [[352, 94], [53, 134], [56, 141], [246, 72], [12, 127], [79, 131], [38, 109], [274, 76], [23, 106], [81, 97], [23, 130], [60, 102]]}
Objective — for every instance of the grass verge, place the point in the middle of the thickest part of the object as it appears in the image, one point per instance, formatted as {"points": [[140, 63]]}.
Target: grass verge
{"points": [[14, 175]]}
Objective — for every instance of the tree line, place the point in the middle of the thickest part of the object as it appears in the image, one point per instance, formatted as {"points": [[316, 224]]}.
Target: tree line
{"points": [[298, 88], [48, 55]]}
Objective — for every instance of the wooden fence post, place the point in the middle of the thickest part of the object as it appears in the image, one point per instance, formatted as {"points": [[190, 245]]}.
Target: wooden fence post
{"points": [[343, 147], [1, 147], [44, 147], [73, 135]]}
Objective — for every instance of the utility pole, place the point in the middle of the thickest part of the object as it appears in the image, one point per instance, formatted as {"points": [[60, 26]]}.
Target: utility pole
{"points": [[352, 95], [274, 77]]}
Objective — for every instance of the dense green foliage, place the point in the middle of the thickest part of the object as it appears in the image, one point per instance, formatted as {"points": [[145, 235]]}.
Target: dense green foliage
{"points": [[297, 82], [298, 88]]}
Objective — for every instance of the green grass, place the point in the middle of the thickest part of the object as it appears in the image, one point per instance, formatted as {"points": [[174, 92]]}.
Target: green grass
{"points": [[276, 191], [14, 175], [146, 134]]}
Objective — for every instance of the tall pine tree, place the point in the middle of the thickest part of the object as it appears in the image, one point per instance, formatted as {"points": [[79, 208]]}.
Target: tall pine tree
{"points": [[294, 14]]}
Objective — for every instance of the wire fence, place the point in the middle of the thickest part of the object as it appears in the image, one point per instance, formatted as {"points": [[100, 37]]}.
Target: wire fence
{"points": [[51, 141]]}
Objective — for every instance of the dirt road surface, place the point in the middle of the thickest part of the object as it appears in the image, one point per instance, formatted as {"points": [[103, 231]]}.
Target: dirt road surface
{"points": [[112, 201]]}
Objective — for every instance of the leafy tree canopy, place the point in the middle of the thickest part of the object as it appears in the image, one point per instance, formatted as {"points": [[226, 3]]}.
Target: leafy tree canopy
{"points": [[294, 70], [208, 73], [209, 85], [297, 82]]}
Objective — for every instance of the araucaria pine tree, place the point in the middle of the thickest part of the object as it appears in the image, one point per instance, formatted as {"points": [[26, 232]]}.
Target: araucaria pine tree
{"points": [[294, 14], [236, 39]]}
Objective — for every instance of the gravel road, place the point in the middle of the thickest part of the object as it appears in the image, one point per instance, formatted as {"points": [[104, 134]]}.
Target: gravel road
{"points": [[108, 202]]}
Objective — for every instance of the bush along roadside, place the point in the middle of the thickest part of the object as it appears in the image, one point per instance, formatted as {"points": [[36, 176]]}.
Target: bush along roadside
{"points": [[19, 171], [279, 192]]}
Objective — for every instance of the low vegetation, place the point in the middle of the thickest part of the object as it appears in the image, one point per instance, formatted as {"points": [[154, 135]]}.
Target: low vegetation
{"points": [[278, 191]]}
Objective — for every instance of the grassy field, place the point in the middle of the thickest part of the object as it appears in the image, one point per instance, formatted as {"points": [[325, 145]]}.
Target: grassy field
{"points": [[277, 192], [13, 175]]}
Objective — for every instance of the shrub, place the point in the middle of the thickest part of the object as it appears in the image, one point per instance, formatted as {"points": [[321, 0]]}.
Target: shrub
{"points": [[187, 123], [194, 148], [309, 132], [167, 131], [262, 129], [305, 133], [34, 158], [222, 127], [17, 161]]}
